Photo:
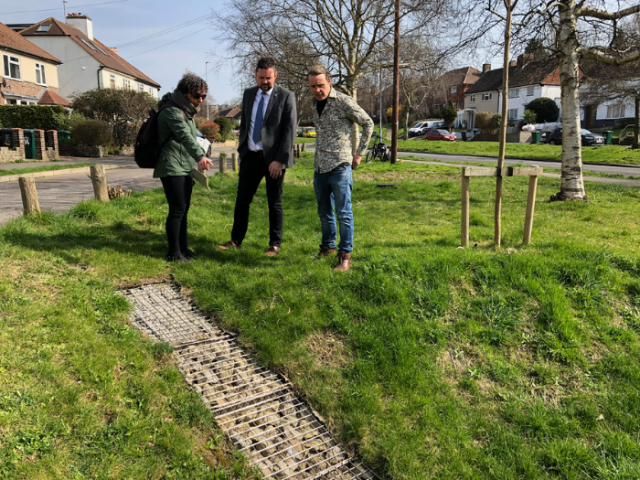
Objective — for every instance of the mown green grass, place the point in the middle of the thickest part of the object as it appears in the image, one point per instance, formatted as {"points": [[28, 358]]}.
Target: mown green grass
{"points": [[304, 140], [44, 168], [427, 360], [614, 154]]}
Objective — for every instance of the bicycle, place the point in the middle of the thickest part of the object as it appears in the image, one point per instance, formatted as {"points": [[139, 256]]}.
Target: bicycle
{"points": [[378, 150]]}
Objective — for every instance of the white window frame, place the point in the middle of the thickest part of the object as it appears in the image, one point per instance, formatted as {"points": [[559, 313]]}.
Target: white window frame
{"points": [[487, 96], [126, 84], [112, 81], [616, 111], [40, 72], [454, 89], [9, 60], [530, 91], [151, 91], [512, 114], [140, 88], [472, 98], [514, 93]]}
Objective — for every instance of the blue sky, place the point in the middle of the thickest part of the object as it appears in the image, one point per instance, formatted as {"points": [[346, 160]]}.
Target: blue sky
{"points": [[116, 24]]}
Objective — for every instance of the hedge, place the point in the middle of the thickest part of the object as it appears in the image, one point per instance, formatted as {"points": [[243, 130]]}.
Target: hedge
{"points": [[41, 117]]}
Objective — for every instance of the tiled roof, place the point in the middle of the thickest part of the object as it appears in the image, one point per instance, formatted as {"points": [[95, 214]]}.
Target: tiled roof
{"points": [[109, 58], [541, 72], [52, 98], [14, 41], [233, 112], [465, 75]]}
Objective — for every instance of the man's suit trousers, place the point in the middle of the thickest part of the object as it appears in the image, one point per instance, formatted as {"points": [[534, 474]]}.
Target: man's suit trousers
{"points": [[252, 169]]}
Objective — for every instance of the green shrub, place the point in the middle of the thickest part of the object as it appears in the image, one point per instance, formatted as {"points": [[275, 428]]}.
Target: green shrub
{"points": [[496, 121], [449, 114], [483, 120], [225, 127], [546, 109], [66, 120], [42, 117], [91, 133], [529, 116]]}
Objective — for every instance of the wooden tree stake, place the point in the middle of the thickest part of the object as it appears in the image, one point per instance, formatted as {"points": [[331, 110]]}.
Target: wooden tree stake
{"points": [[531, 203], [304, 147], [464, 237], [29, 195], [223, 163], [99, 181], [234, 160]]}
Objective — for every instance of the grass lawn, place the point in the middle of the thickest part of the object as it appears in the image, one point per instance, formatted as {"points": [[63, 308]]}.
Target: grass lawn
{"points": [[44, 168], [607, 154], [304, 140], [427, 360]]}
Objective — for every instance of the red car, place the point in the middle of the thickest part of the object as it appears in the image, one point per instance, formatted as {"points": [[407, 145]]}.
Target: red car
{"points": [[439, 134]]}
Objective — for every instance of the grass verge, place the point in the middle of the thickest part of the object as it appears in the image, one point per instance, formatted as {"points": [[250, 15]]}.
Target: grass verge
{"points": [[614, 154], [427, 360]]}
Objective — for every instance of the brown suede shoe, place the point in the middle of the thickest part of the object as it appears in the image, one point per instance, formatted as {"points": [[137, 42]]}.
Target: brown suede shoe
{"points": [[325, 252], [229, 245], [344, 262], [272, 251]]}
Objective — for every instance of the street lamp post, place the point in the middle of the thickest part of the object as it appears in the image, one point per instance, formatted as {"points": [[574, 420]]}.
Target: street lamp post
{"points": [[206, 74]]}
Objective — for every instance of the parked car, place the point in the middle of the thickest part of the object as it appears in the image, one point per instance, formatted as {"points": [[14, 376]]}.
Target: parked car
{"points": [[588, 138], [203, 142], [300, 131], [418, 129], [309, 132], [440, 134]]}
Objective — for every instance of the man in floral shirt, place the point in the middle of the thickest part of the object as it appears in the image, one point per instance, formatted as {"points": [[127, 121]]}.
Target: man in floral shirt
{"points": [[334, 115]]}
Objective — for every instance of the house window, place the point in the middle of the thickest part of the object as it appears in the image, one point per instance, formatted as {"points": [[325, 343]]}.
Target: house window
{"points": [[44, 28], [512, 114], [529, 91], [112, 80], [12, 67], [487, 96], [41, 78], [513, 93], [455, 104], [454, 89], [473, 98], [126, 83], [151, 91], [615, 111], [140, 88]]}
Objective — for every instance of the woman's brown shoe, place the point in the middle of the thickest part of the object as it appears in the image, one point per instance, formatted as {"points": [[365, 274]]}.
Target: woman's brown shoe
{"points": [[344, 262]]}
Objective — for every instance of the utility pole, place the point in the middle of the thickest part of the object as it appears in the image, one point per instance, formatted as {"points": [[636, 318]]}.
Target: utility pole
{"points": [[396, 85], [206, 74]]}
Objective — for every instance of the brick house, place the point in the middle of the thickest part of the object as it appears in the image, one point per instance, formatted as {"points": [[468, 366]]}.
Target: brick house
{"points": [[87, 64], [29, 74]]}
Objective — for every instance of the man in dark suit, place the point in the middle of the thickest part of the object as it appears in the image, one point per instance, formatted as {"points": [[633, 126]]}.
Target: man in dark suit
{"points": [[267, 131]]}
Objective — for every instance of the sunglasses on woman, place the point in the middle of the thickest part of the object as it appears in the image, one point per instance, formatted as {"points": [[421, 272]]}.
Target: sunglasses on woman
{"points": [[197, 96]]}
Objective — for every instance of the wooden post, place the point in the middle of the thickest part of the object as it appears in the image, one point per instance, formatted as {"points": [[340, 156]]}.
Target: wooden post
{"points": [[223, 163], [304, 147], [531, 203], [464, 237], [99, 180], [234, 160], [29, 195]]}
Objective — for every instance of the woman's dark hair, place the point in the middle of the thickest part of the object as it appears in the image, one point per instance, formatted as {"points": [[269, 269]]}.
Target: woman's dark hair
{"points": [[265, 63], [191, 83]]}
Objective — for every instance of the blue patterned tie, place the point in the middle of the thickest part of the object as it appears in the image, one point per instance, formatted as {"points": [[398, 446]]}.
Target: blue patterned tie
{"points": [[257, 126]]}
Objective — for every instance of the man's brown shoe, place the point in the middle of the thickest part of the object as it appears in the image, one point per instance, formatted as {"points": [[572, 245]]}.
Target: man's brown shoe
{"points": [[229, 245], [325, 252], [272, 251], [344, 262]]}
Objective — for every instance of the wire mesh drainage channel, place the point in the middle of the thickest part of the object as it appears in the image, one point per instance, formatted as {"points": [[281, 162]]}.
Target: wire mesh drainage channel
{"points": [[256, 408]]}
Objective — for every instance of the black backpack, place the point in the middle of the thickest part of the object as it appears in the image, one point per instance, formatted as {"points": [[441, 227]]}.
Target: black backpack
{"points": [[147, 149]]}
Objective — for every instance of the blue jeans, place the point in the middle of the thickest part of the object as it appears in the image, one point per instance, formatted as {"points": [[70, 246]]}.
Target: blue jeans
{"points": [[333, 190]]}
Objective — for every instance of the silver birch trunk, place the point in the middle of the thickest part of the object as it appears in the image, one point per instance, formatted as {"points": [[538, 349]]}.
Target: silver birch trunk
{"points": [[571, 182]]}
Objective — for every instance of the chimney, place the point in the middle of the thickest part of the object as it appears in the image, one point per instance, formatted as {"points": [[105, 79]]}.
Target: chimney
{"points": [[114, 50], [486, 67], [524, 59], [82, 23]]}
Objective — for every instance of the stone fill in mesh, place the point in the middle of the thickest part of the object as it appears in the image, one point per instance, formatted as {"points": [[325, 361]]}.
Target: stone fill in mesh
{"points": [[255, 408]]}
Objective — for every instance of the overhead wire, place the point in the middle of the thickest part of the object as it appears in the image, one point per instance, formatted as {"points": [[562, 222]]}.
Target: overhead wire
{"points": [[70, 6]]}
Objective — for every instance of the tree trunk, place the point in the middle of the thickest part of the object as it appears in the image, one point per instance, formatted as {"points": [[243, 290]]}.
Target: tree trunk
{"points": [[636, 129], [406, 125], [571, 181], [99, 181]]}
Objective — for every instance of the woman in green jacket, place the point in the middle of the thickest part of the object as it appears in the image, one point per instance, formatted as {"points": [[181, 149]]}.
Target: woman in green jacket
{"points": [[177, 132]]}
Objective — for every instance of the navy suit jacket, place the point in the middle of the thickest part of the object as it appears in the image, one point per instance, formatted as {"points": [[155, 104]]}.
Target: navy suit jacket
{"points": [[278, 127]]}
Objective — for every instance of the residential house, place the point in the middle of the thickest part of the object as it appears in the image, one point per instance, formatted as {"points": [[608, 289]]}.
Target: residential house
{"points": [[528, 80], [234, 114], [29, 73], [87, 63], [452, 85]]}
